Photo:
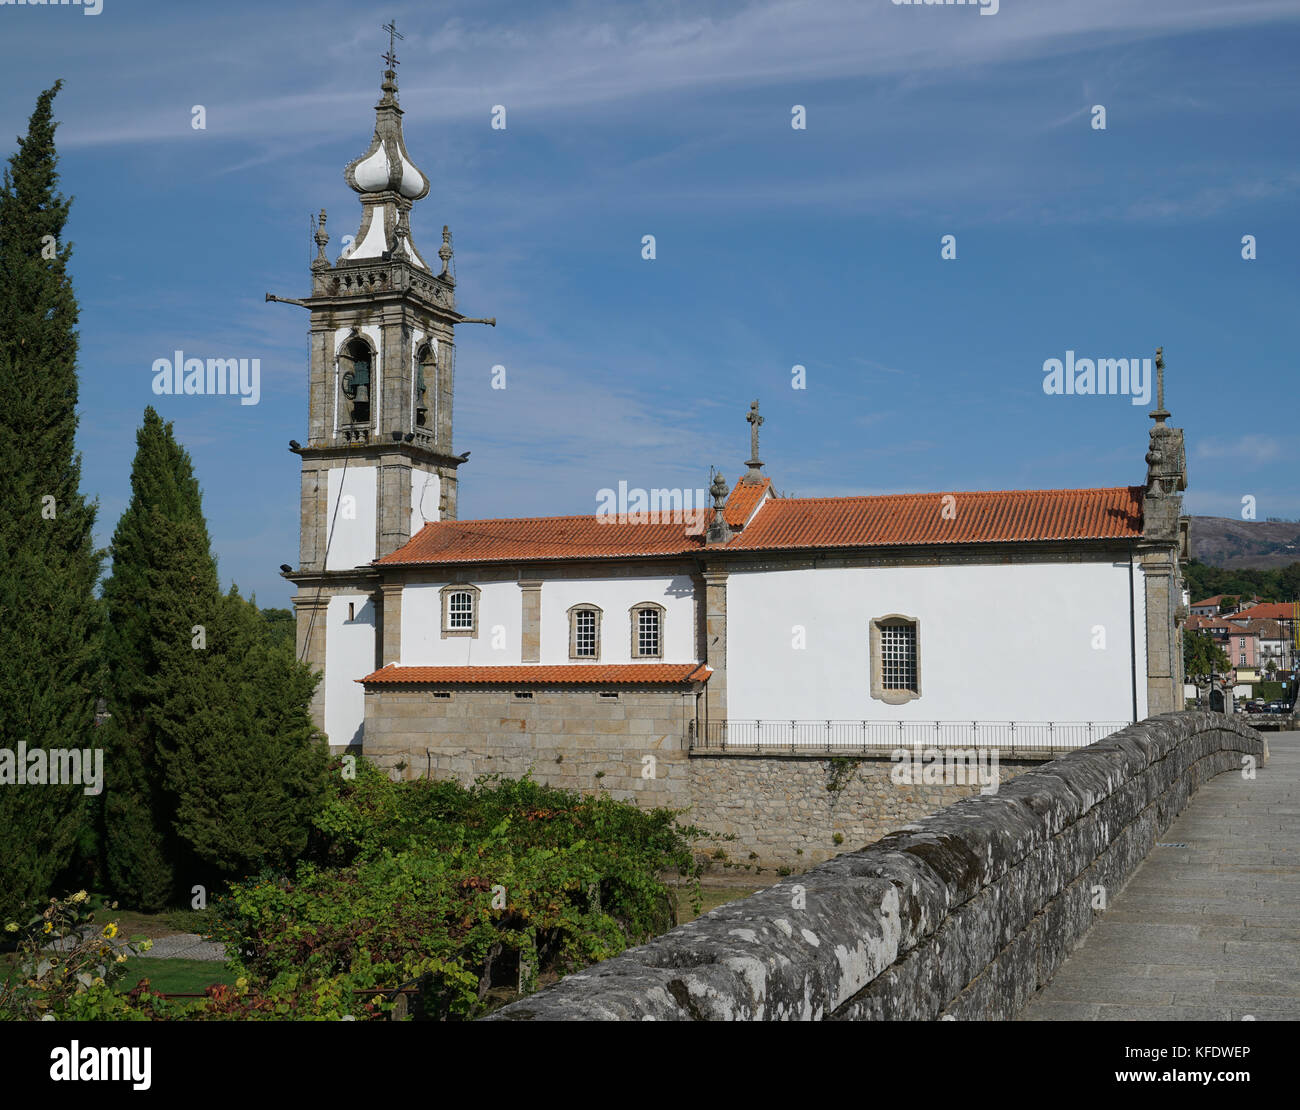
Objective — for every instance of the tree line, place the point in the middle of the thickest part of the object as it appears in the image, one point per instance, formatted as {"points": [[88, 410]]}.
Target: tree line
{"points": [[1276, 584], [212, 767]]}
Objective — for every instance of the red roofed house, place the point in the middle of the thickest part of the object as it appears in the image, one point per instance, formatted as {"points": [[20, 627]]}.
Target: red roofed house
{"points": [[472, 645]]}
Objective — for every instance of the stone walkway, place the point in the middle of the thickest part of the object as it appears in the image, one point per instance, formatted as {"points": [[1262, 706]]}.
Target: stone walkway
{"points": [[1208, 928], [178, 946]]}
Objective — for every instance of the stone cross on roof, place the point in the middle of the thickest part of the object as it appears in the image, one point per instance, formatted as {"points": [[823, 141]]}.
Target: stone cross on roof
{"points": [[755, 464], [1160, 415]]}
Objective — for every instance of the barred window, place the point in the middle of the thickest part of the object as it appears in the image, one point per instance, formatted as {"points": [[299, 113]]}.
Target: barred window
{"points": [[895, 659], [584, 632], [898, 657], [647, 631], [460, 610]]}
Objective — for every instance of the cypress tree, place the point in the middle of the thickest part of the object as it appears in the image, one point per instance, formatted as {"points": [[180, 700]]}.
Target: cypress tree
{"points": [[244, 762], [49, 617], [162, 523]]}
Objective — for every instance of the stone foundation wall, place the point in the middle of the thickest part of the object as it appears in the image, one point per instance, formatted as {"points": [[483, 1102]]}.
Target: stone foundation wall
{"points": [[787, 810], [780, 811], [960, 915], [630, 746]]}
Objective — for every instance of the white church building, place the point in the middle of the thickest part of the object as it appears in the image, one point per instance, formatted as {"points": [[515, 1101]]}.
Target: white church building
{"points": [[761, 620]]}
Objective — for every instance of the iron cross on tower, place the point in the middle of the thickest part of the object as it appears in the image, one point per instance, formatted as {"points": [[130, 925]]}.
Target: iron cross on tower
{"points": [[755, 421], [393, 34]]}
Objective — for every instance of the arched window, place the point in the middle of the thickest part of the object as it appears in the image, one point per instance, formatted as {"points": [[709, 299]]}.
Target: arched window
{"points": [[356, 367], [426, 386], [647, 630], [584, 632], [459, 610]]}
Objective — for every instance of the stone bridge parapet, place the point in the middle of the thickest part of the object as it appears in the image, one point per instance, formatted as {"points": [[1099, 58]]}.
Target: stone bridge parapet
{"points": [[961, 915]]}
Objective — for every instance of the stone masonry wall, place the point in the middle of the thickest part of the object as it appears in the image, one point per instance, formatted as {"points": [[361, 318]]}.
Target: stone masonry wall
{"points": [[574, 739], [960, 915], [787, 810]]}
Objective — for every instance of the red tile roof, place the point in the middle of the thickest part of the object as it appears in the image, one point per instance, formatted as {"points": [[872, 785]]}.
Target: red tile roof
{"points": [[548, 537], [1267, 630], [986, 517], [744, 500], [1217, 599], [792, 523], [582, 674], [1273, 611]]}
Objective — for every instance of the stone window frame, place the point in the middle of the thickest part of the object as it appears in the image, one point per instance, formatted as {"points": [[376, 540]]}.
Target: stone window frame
{"points": [[573, 630], [444, 598], [342, 405], [635, 623], [878, 691]]}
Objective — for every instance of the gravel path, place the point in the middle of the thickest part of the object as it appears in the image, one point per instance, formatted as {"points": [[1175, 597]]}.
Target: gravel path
{"points": [[178, 946]]}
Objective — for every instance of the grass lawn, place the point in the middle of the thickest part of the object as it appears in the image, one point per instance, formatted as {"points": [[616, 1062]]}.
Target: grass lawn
{"points": [[167, 976], [175, 976], [713, 897]]}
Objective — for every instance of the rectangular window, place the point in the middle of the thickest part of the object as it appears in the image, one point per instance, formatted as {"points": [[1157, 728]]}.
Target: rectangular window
{"points": [[442, 693], [647, 632], [898, 657], [1243, 658], [584, 633], [460, 610], [609, 693], [524, 695]]}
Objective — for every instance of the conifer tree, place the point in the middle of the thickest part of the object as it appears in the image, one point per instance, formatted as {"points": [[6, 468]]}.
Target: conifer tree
{"points": [[49, 617], [165, 511], [244, 762]]}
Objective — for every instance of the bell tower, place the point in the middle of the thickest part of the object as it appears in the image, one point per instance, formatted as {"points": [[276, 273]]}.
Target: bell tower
{"points": [[378, 462]]}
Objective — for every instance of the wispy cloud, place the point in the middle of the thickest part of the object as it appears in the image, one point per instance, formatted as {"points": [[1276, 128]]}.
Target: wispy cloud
{"points": [[1253, 447]]}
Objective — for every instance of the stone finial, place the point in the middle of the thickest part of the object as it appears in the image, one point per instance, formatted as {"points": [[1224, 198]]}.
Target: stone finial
{"points": [[719, 531], [444, 251], [719, 489], [322, 239]]}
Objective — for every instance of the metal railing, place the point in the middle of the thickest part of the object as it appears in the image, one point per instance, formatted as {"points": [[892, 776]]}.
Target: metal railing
{"points": [[798, 737]]}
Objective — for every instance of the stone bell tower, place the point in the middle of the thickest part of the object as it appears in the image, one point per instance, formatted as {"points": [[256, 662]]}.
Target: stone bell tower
{"points": [[378, 462]]}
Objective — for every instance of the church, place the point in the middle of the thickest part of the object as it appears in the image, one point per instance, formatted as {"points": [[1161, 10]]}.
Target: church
{"points": [[453, 646]]}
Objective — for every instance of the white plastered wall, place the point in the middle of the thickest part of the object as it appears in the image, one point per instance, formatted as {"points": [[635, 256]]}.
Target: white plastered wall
{"points": [[615, 598], [351, 531], [1010, 642], [349, 655], [425, 487], [499, 628]]}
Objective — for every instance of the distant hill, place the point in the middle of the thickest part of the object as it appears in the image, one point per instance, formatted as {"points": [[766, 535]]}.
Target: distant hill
{"points": [[1223, 541]]}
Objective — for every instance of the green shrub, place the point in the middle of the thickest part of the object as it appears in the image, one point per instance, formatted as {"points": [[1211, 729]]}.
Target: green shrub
{"points": [[456, 889]]}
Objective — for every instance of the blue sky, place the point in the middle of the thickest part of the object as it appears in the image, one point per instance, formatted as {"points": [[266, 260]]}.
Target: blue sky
{"points": [[775, 246]]}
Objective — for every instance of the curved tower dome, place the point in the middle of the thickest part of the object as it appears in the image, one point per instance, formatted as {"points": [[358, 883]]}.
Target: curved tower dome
{"points": [[388, 183]]}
